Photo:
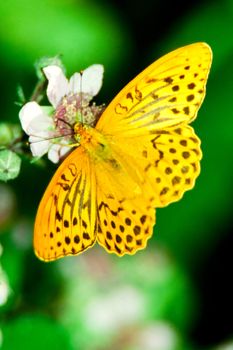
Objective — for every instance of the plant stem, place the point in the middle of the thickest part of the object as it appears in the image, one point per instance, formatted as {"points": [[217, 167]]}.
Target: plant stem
{"points": [[37, 94]]}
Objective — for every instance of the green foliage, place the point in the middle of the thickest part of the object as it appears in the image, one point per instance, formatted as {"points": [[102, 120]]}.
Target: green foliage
{"points": [[34, 331], [47, 29], [8, 134], [133, 293], [48, 61], [10, 164], [20, 95]]}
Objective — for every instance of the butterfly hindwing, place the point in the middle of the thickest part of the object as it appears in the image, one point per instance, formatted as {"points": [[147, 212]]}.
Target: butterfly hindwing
{"points": [[66, 218], [168, 161], [125, 215]]}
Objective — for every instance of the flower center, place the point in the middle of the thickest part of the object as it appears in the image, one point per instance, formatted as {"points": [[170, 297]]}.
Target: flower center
{"points": [[76, 108]]}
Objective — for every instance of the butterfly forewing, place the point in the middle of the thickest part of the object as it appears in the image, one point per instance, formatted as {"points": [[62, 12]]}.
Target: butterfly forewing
{"points": [[168, 92], [66, 218]]}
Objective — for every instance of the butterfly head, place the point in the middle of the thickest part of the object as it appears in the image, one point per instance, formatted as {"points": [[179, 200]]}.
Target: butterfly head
{"points": [[82, 133]]}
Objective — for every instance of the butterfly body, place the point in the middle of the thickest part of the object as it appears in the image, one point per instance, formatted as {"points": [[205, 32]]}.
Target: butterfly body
{"points": [[142, 154], [95, 144]]}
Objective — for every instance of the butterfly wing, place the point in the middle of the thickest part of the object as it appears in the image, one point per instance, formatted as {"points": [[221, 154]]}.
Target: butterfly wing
{"points": [[168, 92], [148, 121], [125, 214], [169, 165], [66, 218], [124, 225], [169, 161], [146, 125]]}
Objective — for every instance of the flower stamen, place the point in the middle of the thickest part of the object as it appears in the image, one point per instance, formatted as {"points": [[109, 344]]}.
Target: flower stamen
{"points": [[51, 129]]}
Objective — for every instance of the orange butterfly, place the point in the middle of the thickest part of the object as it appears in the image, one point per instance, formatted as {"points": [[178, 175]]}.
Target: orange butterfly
{"points": [[141, 154]]}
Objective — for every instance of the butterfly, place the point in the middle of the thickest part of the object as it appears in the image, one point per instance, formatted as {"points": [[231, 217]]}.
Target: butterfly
{"points": [[141, 155]]}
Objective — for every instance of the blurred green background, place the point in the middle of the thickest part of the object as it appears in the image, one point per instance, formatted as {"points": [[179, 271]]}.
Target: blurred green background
{"points": [[176, 294]]}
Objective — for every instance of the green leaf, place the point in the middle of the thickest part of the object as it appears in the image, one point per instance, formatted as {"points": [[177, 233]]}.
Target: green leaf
{"points": [[9, 165], [9, 133], [21, 96], [47, 61], [5, 134]]}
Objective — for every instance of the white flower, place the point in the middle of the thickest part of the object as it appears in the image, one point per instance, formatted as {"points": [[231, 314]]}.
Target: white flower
{"points": [[51, 130], [157, 336], [120, 309]]}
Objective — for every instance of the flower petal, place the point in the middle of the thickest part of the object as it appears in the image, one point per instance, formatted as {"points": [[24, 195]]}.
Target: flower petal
{"points": [[29, 112], [39, 147], [58, 85], [91, 80], [34, 121], [56, 152]]}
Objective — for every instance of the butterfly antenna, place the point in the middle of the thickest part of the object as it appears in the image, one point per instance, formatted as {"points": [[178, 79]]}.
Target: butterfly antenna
{"points": [[65, 122], [50, 138]]}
